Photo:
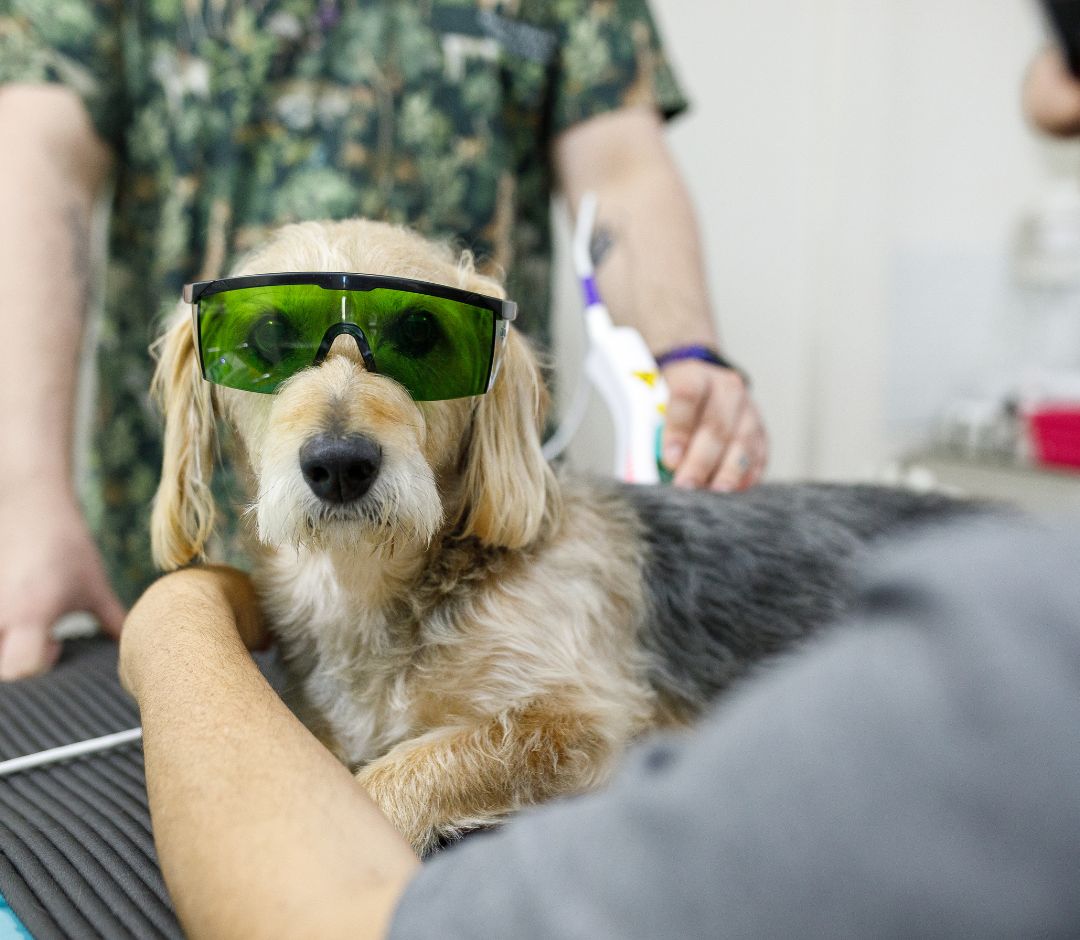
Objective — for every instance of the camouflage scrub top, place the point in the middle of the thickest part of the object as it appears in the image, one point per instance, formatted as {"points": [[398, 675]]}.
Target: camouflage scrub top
{"points": [[231, 117]]}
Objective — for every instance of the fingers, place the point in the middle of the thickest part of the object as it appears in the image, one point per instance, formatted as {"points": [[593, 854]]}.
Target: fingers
{"points": [[106, 606], [688, 391], [56, 569], [714, 436], [26, 651], [1052, 94], [744, 461]]}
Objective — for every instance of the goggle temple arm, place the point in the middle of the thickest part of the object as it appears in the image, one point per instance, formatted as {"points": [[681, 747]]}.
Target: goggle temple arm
{"points": [[196, 341], [190, 295], [502, 331]]}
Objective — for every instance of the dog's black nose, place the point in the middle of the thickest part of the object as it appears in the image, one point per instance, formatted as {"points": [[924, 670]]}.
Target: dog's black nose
{"points": [[340, 469]]}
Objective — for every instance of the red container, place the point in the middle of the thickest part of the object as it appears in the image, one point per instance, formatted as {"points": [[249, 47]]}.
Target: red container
{"points": [[1055, 434]]}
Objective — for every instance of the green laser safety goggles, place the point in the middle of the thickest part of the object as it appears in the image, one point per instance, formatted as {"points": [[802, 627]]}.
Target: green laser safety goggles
{"points": [[439, 342]]}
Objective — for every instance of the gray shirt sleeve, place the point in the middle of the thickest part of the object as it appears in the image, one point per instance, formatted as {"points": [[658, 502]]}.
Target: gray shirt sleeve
{"points": [[915, 774]]}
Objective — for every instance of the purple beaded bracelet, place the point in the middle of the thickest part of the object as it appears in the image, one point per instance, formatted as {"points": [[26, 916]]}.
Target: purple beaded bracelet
{"points": [[702, 354]]}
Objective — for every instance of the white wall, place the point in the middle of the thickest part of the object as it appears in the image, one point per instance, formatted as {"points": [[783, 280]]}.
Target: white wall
{"points": [[859, 168], [964, 168]]}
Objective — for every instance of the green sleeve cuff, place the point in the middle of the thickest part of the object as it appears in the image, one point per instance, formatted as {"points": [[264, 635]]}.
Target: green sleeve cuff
{"points": [[611, 57], [74, 43]]}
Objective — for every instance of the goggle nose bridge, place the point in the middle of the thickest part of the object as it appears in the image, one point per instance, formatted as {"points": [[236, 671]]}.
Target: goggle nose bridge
{"points": [[349, 329]]}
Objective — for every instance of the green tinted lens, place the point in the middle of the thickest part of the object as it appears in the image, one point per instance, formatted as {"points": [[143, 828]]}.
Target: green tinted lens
{"points": [[254, 338], [436, 348]]}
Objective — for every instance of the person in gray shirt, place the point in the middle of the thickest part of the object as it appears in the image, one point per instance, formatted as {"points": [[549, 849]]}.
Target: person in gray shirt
{"points": [[915, 772]]}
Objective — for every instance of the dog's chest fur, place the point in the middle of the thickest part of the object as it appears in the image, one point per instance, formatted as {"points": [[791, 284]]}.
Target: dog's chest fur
{"points": [[380, 652], [347, 660]]}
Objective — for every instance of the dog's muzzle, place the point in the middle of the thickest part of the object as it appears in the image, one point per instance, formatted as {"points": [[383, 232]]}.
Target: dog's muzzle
{"points": [[340, 469]]}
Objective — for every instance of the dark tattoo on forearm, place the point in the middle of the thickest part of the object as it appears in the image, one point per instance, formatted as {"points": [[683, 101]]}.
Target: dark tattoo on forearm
{"points": [[601, 244], [77, 229]]}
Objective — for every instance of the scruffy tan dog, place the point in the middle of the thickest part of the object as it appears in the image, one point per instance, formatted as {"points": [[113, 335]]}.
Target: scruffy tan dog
{"points": [[471, 634]]}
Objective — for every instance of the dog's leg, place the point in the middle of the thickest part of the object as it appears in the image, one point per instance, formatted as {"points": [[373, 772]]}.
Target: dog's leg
{"points": [[454, 779]]}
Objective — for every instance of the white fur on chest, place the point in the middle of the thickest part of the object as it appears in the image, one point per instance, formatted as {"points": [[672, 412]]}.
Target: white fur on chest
{"points": [[352, 667]]}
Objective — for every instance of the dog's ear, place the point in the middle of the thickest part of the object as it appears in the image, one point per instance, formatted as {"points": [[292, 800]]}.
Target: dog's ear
{"points": [[183, 516], [511, 496]]}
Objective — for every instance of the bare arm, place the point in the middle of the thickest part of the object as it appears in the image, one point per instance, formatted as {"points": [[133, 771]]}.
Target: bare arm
{"points": [[653, 278], [52, 166], [259, 830], [1052, 95]]}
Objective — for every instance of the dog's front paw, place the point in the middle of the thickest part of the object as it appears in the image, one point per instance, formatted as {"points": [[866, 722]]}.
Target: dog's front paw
{"points": [[400, 800]]}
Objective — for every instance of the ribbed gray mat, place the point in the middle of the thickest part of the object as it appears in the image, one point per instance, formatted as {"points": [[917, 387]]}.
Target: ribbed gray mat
{"points": [[76, 854]]}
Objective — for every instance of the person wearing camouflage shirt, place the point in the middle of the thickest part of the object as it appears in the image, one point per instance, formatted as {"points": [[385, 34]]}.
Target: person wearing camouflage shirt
{"points": [[219, 120]]}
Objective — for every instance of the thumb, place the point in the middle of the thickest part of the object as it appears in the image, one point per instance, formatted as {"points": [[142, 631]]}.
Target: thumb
{"points": [[687, 392], [106, 606], [26, 651]]}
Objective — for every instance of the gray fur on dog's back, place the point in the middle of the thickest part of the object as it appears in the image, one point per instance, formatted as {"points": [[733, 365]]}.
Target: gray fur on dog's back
{"points": [[731, 578]]}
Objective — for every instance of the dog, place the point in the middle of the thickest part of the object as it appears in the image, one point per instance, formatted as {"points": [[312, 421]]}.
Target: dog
{"points": [[472, 633]]}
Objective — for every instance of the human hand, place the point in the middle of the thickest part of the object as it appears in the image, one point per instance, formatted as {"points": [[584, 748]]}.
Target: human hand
{"points": [[1052, 94], [206, 603], [713, 433], [49, 566]]}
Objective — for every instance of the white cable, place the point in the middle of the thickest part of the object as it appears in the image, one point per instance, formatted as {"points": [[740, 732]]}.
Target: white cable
{"points": [[621, 368], [581, 246], [67, 751], [571, 421]]}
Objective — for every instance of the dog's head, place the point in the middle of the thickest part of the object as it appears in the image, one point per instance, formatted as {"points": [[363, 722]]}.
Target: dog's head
{"points": [[340, 455]]}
